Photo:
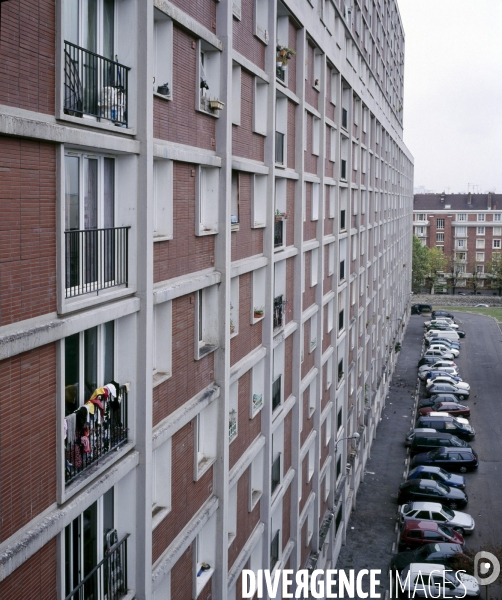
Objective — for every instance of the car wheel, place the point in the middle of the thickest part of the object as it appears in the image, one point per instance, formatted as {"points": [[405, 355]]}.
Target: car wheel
{"points": [[453, 505], [463, 469], [461, 398], [459, 530]]}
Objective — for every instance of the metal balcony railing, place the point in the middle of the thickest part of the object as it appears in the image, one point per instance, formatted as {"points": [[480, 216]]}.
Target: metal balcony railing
{"points": [[101, 439], [95, 85], [108, 579], [279, 148], [278, 311], [95, 259], [278, 234], [276, 472]]}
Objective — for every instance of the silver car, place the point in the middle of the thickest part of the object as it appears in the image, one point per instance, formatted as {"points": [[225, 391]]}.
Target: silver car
{"points": [[434, 511]]}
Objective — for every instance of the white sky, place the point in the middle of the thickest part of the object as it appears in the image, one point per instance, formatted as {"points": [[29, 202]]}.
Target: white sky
{"points": [[453, 93]]}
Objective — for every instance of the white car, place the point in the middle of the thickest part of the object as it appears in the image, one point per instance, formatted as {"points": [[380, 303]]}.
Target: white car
{"points": [[439, 364], [438, 346], [444, 321], [427, 580], [435, 511], [461, 385], [449, 334], [462, 420], [438, 354]]}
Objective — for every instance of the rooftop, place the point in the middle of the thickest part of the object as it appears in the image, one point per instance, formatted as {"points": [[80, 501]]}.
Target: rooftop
{"points": [[455, 202]]}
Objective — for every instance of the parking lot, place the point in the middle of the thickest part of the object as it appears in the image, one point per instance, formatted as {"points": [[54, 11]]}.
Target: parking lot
{"points": [[372, 532]]}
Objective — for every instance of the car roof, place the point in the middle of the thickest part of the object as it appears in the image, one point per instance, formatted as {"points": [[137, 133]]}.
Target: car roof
{"points": [[418, 505], [426, 568], [432, 434], [427, 469], [424, 525]]}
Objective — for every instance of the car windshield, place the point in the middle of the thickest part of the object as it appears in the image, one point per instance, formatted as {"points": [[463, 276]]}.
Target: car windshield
{"points": [[447, 512], [443, 488], [445, 474], [445, 530], [455, 441]]}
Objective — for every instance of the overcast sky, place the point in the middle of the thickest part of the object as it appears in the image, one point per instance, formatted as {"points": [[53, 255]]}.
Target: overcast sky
{"points": [[453, 93]]}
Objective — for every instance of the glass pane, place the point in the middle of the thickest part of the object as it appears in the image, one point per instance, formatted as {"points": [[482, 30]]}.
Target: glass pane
{"points": [[71, 192], [109, 347], [71, 357], [109, 192], [108, 518], [71, 21], [108, 27], [90, 548], [90, 361], [90, 24], [90, 193]]}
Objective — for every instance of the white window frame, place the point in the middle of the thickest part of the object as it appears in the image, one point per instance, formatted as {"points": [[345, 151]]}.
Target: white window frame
{"points": [[206, 427], [316, 135], [496, 244], [313, 333], [329, 371], [439, 237], [315, 201], [497, 217], [481, 217], [204, 552], [480, 243], [161, 482], [330, 316], [256, 480], [259, 204], [497, 231], [162, 342], [257, 388], [236, 90], [210, 72], [480, 256], [331, 258], [232, 514], [163, 200], [314, 265], [261, 20], [162, 53], [462, 217], [207, 200], [440, 223], [234, 305], [480, 230], [260, 106], [206, 321]]}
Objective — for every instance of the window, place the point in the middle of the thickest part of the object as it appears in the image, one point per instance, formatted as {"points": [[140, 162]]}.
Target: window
{"points": [[234, 202], [480, 269], [258, 299], [496, 244], [163, 200], [461, 231], [331, 258], [317, 69], [205, 439], [208, 78], [420, 217], [163, 54], [329, 372], [207, 205], [480, 231], [206, 323], [161, 482], [234, 306], [312, 398], [233, 411], [258, 386], [236, 92], [440, 224], [340, 369], [256, 479], [332, 144], [462, 217], [237, 9], [261, 20], [480, 256], [481, 217], [260, 106], [496, 217], [497, 231], [316, 134], [232, 514], [313, 332], [461, 243], [420, 231], [439, 237], [314, 265], [205, 552], [281, 129], [162, 338], [259, 206], [480, 243], [315, 201]]}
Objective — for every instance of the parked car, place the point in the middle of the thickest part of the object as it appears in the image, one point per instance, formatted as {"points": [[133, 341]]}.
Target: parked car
{"points": [[436, 378], [438, 339], [449, 334], [452, 408], [482, 305], [442, 313], [438, 474], [461, 333], [423, 442], [439, 364], [426, 369], [450, 459], [439, 354], [418, 309], [428, 360], [417, 533], [426, 580], [410, 436], [439, 552], [443, 372], [431, 491], [448, 424], [434, 511], [447, 388], [443, 322], [425, 402], [444, 348]]}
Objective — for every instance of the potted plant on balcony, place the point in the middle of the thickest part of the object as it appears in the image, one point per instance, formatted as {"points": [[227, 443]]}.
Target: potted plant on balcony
{"points": [[283, 55], [232, 327], [279, 215], [216, 104], [258, 313]]}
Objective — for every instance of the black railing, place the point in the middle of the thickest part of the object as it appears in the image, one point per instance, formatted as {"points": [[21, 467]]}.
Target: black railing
{"points": [[280, 74], [274, 550], [279, 148], [276, 393], [278, 311], [278, 233], [94, 85], [108, 579], [95, 259], [276, 472], [344, 118], [93, 440]]}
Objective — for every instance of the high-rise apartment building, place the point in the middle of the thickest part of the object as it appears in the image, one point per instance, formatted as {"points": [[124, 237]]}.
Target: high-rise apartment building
{"points": [[204, 277], [466, 227]]}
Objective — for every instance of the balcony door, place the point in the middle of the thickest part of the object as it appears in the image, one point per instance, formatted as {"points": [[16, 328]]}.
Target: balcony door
{"points": [[89, 221]]}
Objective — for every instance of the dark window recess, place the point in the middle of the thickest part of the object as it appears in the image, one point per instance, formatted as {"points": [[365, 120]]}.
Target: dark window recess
{"points": [[342, 220], [343, 174], [340, 320], [280, 74], [94, 85], [339, 461], [274, 550], [340, 370], [276, 473], [278, 234], [339, 420], [279, 148], [338, 519], [278, 311], [344, 118], [342, 270], [276, 393]]}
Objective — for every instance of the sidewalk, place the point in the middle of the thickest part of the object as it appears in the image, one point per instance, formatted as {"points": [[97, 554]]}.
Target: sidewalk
{"points": [[372, 526]]}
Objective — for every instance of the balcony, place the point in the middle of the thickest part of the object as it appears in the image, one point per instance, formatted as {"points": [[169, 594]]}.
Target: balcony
{"points": [[276, 393], [95, 259], [279, 311], [95, 86], [279, 148], [108, 579], [278, 234], [276, 472], [92, 440]]}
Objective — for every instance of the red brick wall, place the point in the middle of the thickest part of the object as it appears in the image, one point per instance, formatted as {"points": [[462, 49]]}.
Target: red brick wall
{"points": [[187, 495], [310, 159], [311, 94], [245, 142], [250, 335], [203, 11], [27, 228], [189, 375], [27, 55], [246, 521], [244, 40], [177, 120], [186, 252], [35, 578], [305, 550], [291, 137], [27, 437], [246, 242], [182, 578], [247, 429]]}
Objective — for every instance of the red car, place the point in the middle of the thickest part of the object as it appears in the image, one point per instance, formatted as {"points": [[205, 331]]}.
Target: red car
{"points": [[417, 533], [452, 408]]}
